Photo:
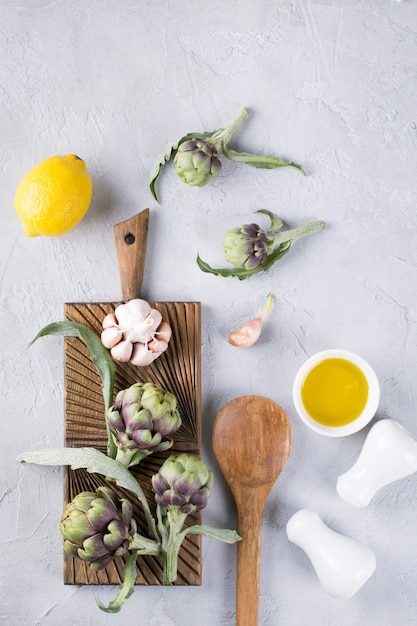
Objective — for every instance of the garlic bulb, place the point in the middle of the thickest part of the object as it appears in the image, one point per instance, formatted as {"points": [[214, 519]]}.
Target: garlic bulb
{"points": [[135, 333]]}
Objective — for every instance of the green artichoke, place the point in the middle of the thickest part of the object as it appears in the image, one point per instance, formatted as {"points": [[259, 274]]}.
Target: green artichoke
{"points": [[250, 249], [246, 246], [196, 161], [197, 155], [141, 420], [182, 486], [97, 527], [183, 483]]}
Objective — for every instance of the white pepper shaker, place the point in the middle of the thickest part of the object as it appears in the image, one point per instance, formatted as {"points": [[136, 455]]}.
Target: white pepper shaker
{"points": [[388, 454], [342, 564]]}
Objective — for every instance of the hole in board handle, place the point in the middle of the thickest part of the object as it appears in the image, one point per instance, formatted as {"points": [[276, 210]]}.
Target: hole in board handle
{"points": [[129, 239]]}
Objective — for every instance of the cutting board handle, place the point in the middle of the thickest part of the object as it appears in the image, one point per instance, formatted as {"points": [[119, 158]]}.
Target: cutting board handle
{"points": [[131, 238]]}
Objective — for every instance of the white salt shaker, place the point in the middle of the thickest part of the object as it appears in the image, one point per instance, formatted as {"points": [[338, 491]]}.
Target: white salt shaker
{"points": [[342, 564], [388, 454]]}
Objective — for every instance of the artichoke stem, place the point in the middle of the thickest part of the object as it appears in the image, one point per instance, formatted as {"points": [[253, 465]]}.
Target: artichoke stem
{"points": [[294, 234], [171, 545], [129, 457], [226, 132]]}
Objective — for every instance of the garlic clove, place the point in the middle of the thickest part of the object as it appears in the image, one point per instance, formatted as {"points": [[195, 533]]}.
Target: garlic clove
{"points": [[141, 356], [247, 335], [109, 320], [122, 351], [164, 332], [157, 346], [111, 336], [251, 331]]}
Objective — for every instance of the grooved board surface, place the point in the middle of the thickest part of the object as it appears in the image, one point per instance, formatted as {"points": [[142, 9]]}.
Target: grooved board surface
{"points": [[177, 370]]}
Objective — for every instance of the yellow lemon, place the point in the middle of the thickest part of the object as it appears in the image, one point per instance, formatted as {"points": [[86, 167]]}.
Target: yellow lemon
{"points": [[54, 196]]}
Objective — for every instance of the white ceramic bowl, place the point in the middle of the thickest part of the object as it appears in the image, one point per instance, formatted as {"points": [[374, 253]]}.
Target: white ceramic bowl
{"points": [[371, 405]]}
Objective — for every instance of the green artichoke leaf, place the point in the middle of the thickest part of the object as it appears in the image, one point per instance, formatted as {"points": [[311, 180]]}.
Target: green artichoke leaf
{"points": [[276, 222], [167, 155], [95, 462], [241, 272], [223, 534], [100, 357], [259, 161], [125, 590], [163, 158]]}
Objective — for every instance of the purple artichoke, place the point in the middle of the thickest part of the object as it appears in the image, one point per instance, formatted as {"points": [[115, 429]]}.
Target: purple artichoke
{"points": [[97, 527]]}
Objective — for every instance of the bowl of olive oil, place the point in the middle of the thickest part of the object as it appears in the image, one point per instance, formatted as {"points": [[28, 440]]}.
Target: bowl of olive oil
{"points": [[336, 392]]}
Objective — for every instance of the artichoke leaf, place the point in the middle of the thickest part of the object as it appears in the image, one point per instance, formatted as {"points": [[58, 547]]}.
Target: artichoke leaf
{"points": [[276, 222], [241, 272], [95, 462], [100, 357], [164, 158], [259, 161], [223, 534], [125, 590]]}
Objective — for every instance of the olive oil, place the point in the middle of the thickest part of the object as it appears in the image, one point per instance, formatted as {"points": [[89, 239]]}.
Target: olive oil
{"points": [[334, 392]]}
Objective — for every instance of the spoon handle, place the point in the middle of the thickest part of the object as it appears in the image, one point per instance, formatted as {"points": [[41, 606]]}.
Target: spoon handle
{"points": [[248, 566]]}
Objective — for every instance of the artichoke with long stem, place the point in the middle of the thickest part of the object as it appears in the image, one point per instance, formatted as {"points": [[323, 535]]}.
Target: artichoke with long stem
{"points": [[251, 249], [182, 486], [197, 155]]}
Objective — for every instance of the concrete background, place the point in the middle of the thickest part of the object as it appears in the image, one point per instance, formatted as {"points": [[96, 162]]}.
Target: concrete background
{"points": [[331, 84]]}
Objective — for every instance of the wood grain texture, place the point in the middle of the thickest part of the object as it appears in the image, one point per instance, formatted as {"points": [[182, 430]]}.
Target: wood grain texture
{"points": [[131, 237], [178, 370]]}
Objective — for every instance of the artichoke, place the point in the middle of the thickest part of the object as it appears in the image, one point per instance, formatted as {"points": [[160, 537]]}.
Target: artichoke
{"points": [[141, 420], [196, 161], [246, 246], [183, 483], [250, 249], [197, 155], [97, 527], [182, 486]]}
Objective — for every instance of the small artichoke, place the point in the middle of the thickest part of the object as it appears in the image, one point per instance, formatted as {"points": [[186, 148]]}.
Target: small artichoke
{"points": [[250, 249], [197, 155], [246, 246], [97, 527], [141, 420], [183, 483], [196, 161]]}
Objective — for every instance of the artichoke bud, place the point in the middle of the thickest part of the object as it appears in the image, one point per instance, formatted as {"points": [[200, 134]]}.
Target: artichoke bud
{"points": [[97, 527], [141, 421], [246, 246], [183, 483], [196, 161]]}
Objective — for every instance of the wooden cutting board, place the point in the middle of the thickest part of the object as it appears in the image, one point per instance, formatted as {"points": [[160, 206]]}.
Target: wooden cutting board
{"points": [[178, 370]]}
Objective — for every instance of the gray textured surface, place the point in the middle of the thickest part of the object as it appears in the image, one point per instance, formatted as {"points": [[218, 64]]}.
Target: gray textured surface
{"points": [[329, 83]]}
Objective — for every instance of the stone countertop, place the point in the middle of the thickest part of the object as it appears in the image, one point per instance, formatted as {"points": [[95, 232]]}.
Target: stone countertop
{"points": [[330, 84]]}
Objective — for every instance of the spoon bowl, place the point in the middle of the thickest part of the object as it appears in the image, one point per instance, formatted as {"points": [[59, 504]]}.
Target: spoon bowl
{"points": [[251, 442]]}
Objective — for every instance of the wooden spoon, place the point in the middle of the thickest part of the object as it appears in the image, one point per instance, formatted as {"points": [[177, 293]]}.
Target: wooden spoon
{"points": [[251, 441]]}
